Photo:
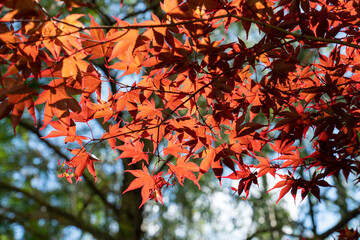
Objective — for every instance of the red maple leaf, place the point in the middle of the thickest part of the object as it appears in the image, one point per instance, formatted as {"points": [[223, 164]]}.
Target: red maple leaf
{"points": [[287, 184], [82, 160], [15, 96], [265, 167], [184, 169], [150, 185]]}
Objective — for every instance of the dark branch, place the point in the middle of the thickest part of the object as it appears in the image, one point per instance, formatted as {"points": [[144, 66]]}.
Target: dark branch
{"points": [[60, 215], [343, 221], [22, 221]]}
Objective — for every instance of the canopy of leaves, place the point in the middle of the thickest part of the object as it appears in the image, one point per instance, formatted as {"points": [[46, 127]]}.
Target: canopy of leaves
{"points": [[200, 103]]}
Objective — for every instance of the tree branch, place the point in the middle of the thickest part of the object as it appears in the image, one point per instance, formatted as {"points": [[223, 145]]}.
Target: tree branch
{"points": [[343, 221], [271, 230], [60, 215], [104, 17], [20, 220]]}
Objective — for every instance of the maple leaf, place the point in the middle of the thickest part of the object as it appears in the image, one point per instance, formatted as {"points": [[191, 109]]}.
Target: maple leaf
{"points": [[146, 182], [103, 108], [175, 149], [207, 161], [211, 159], [253, 94], [58, 101], [69, 131], [184, 169], [172, 8], [90, 83], [82, 160], [123, 43], [96, 46], [126, 98], [292, 159], [245, 183], [248, 128], [69, 26], [265, 167], [21, 8], [72, 65], [286, 186], [147, 109], [131, 65], [238, 174], [133, 150], [283, 147], [48, 32], [110, 136], [15, 96], [85, 115]]}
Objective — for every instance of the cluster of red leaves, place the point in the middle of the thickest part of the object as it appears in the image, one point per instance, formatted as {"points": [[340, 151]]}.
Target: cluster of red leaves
{"points": [[200, 103]]}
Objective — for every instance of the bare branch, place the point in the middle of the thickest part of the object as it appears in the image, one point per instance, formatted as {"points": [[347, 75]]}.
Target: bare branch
{"points": [[342, 222], [60, 215]]}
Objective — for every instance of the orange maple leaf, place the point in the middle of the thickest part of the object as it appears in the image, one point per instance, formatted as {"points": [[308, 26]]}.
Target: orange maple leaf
{"points": [[184, 169], [175, 149], [209, 161], [69, 131], [58, 101], [133, 150], [95, 45], [148, 110]]}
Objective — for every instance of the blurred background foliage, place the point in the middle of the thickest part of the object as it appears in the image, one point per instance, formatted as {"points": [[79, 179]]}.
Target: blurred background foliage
{"points": [[35, 204]]}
